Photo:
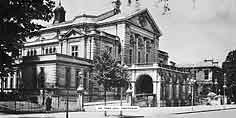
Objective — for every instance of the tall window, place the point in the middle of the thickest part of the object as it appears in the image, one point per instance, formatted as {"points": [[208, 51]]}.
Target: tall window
{"points": [[47, 51], [77, 77], [85, 81], [139, 57], [130, 55], [31, 53], [41, 78], [206, 74], [42, 51], [28, 53], [35, 52], [68, 77], [74, 50], [54, 49], [50, 50], [147, 58], [148, 46]]}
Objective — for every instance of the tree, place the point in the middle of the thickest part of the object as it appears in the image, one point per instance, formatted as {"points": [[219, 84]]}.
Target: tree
{"points": [[16, 22], [109, 73], [229, 67]]}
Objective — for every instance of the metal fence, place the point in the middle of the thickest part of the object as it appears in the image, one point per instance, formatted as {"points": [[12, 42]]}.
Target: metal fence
{"points": [[34, 100], [38, 100], [100, 96], [144, 100]]}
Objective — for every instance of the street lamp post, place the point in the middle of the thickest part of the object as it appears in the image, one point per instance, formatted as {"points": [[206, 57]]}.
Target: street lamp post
{"points": [[192, 81], [216, 83], [67, 103], [129, 92], [125, 67], [224, 93]]}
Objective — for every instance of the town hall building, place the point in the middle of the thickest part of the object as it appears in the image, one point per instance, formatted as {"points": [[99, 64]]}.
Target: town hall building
{"points": [[61, 55]]}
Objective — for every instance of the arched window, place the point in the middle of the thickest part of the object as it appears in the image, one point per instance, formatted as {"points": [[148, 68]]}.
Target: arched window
{"points": [[46, 50], [50, 50], [31, 52], [42, 51], [148, 46], [28, 53], [147, 59], [54, 49], [132, 40], [130, 55], [140, 42], [35, 52]]}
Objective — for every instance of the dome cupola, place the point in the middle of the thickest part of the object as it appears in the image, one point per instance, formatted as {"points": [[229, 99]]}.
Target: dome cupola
{"points": [[59, 14]]}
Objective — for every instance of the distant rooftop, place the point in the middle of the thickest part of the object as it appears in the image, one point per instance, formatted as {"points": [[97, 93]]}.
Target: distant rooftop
{"points": [[85, 18], [205, 63]]}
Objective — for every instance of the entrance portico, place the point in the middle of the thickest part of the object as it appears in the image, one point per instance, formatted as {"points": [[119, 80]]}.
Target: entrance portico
{"points": [[167, 86]]}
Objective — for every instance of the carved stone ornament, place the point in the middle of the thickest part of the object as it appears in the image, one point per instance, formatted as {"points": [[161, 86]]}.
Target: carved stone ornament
{"points": [[31, 39], [49, 35], [142, 21]]}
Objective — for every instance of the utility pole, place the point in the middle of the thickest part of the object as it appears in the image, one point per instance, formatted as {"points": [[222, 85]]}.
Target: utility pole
{"points": [[224, 86]]}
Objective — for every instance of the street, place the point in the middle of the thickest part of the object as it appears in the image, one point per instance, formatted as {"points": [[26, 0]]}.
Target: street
{"points": [[212, 114], [229, 113]]}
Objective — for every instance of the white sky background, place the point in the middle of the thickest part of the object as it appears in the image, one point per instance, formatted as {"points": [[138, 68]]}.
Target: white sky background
{"points": [[189, 35]]}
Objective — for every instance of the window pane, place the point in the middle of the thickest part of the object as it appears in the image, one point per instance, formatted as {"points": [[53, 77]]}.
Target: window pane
{"points": [[139, 60], [146, 58], [130, 56], [206, 74], [76, 54]]}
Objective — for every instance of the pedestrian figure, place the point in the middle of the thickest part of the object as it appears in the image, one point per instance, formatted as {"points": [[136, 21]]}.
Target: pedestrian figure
{"points": [[48, 103]]}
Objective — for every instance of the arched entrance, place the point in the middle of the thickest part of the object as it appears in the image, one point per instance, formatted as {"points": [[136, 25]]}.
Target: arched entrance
{"points": [[144, 91], [144, 85]]}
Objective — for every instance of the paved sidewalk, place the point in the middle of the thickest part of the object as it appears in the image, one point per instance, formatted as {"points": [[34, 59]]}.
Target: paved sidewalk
{"points": [[150, 112], [91, 107]]}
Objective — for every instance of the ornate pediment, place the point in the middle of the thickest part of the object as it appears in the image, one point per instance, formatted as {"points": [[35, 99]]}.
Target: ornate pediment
{"points": [[46, 36], [74, 33], [32, 39], [145, 20]]}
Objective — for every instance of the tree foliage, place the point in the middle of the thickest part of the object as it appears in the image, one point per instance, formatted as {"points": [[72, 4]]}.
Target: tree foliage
{"points": [[109, 73], [229, 67], [16, 21]]}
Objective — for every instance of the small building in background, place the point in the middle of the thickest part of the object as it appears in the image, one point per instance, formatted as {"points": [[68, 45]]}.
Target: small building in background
{"points": [[163, 57], [209, 77]]}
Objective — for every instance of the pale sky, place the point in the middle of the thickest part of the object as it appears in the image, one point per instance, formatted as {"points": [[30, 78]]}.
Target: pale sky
{"points": [[189, 35]]}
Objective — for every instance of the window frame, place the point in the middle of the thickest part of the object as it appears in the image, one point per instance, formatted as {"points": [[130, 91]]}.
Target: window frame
{"points": [[74, 50]]}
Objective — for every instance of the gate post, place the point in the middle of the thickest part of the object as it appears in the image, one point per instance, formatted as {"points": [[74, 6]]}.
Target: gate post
{"points": [[158, 90], [80, 101]]}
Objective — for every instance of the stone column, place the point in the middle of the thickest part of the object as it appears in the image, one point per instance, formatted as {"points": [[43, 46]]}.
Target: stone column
{"points": [[178, 91], [170, 90], [183, 90], [133, 73], [157, 86], [85, 47]]}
